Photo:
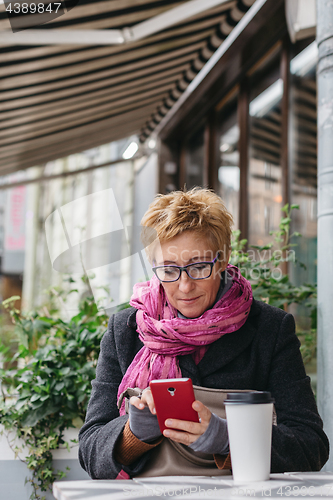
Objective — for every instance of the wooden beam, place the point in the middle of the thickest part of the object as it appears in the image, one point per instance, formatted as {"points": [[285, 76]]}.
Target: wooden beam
{"points": [[143, 58], [31, 37], [82, 115], [285, 136], [232, 59], [207, 154], [136, 58], [106, 22], [77, 133], [285, 75], [210, 173], [243, 146], [265, 146], [128, 29], [32, 111], [42, 144], [69, 52], [167, 154], [264, 122], [40, 156], [73, 56], [273, 140], [87, 83], [182, 165], [305, 111]]}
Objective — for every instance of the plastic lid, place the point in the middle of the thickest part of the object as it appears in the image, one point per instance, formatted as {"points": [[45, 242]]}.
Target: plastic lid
{"points": [[255, 397]]}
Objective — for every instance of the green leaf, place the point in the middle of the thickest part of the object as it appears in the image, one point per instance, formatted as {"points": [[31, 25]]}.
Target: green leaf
{"points": [[34, 416], [59, 386], [37, 389], [47, 321], [69, 279], [286, 220], [20, 403], [11, 300], [35, 397]]}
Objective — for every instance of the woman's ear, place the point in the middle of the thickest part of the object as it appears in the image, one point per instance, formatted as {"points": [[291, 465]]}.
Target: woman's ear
{"points": [[226, 262]]}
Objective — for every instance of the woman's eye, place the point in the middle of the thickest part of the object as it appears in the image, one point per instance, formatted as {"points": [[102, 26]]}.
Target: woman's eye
{"points": [[169, 271], [199, 267]]}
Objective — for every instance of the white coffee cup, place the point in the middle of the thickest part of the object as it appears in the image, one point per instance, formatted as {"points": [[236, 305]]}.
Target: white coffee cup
{"points": [[249, 420]]}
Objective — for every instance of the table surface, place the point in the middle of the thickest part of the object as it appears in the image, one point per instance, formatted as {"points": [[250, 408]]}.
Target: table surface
{"points": [[292, 484]]}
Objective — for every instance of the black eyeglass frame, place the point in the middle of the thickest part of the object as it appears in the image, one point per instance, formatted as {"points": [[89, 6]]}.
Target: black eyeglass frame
{"points": [[181, 269]]}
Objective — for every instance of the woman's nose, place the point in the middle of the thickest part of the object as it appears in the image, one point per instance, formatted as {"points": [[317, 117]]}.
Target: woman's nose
{"points": [[186, 284]]}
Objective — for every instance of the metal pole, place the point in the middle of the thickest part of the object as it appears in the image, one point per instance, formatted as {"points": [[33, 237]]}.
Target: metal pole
{"points": [[325, 216]]}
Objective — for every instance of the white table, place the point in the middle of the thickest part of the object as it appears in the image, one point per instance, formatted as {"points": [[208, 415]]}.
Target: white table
{"points": [[317, 485]]}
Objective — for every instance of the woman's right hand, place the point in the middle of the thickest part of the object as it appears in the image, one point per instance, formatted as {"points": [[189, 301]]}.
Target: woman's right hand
{"points": [[145, 400]]}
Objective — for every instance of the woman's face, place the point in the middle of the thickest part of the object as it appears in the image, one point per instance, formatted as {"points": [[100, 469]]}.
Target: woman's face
{"points": [[190, 297]]}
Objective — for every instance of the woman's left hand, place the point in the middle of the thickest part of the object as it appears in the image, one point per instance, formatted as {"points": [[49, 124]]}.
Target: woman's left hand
{"points": [[186, 432]]}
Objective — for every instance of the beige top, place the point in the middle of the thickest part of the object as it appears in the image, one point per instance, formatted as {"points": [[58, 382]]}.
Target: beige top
{"points": [[129, 448]]}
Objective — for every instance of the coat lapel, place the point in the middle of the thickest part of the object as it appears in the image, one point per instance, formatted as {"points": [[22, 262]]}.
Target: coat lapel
{"points": [[189, 368], [229, 346]]}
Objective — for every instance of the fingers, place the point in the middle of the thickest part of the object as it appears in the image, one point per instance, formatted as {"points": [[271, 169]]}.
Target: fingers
{"points": [[204, 413], [180, 437], [184, 425], [145, 400], [137, 402], [183, 431], [186, 432]]}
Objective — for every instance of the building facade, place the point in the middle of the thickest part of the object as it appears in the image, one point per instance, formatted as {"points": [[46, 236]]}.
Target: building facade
{"points": [[248, 129]]}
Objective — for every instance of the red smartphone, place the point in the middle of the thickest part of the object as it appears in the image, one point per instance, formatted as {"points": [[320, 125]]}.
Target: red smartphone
{"points": [[173, 398]]}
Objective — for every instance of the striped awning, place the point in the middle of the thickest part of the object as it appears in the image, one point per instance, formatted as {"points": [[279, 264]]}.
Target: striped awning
{"points": [[56, 100]]}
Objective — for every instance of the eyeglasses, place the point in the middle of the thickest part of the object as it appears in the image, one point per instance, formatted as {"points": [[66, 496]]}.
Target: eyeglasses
{"points": [[197, 271]]}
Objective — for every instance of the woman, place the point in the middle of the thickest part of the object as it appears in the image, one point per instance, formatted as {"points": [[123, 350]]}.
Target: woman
{"points": [[196, 318]]}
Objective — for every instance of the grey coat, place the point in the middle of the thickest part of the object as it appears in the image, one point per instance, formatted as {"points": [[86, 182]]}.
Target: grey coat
{"points": [[262, 355]]}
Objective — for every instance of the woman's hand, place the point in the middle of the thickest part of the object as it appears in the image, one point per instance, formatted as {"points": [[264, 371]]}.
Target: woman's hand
{"points": [[145, 400], [185, 432], [142, 417]]}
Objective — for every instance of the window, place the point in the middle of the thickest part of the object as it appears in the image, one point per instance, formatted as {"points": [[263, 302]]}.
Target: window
{"points": [[264, 177], [303, 164], [194, 160], [228, 166]]}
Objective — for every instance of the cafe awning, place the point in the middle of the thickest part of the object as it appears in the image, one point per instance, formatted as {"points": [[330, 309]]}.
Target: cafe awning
{"points": [[58, 99]]}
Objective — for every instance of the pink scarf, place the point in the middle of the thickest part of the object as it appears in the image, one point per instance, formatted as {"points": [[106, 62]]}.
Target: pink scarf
{"points": [[166, 336]]}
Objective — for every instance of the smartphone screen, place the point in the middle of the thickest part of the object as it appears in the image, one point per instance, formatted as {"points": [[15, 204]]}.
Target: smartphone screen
{"points": [[173, 398]]}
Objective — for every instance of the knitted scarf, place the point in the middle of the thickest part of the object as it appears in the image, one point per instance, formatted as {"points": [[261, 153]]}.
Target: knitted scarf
{"points": [[166, 336]]}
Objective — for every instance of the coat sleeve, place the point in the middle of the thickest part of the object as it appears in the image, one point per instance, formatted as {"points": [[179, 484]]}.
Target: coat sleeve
{"points": [[298, 441], [103, 425]]}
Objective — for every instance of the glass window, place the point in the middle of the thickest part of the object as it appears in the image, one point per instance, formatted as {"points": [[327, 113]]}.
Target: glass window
{"points": [[194, 160], [265, 179], [303, 164], [228, 168]]}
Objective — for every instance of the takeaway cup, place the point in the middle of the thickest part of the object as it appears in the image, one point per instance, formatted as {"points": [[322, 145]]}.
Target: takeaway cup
{"points": [[249, 420]]}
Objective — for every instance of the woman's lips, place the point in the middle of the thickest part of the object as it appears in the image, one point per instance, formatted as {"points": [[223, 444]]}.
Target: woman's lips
{"points": [[189, 301]]}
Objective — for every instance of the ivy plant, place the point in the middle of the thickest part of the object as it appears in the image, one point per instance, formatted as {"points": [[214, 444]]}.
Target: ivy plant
{"points": [[49, 393]]}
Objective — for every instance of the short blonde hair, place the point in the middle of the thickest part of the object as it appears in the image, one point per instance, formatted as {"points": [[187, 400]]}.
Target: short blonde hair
{"points": [[199, 210]]}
